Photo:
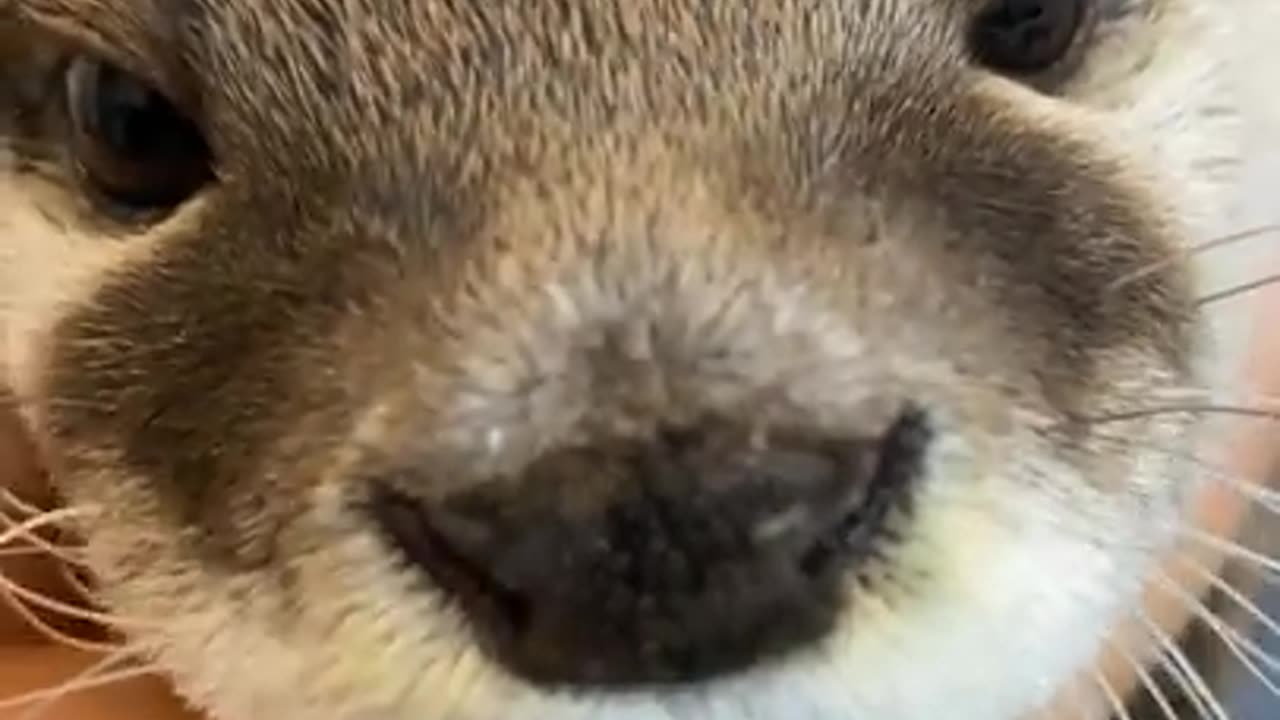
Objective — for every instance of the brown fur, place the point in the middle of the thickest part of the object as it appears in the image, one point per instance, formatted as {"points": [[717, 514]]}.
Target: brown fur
{"points": [[568, 222]]}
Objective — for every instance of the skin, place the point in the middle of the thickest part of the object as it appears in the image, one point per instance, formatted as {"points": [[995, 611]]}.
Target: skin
{"points": [[1216, 509]]}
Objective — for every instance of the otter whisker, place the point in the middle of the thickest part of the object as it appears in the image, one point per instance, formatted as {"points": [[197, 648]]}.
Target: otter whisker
{"points": [[1212, 397], [25, 507], [101, 667], [1251, 608], [93, 678], [1148, 682], [1245, 650], [26, 549], [1179, 666], [1237, 291], [68, 555], [1253, 401], [1113, 698], [1184, 687], [33, 620], [72, 576], [1183, 253], [1232, 549], [1199, 391], [24, 529], [68, 610], [33, 543], [1253, 489], [1240, 411], [22, 552]]}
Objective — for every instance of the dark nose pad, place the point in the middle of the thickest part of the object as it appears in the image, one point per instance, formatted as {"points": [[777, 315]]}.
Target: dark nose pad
{"points": [[683, 556]]}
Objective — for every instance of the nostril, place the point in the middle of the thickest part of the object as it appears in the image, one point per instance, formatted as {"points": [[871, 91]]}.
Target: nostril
{"points": [[451, 548], [691, 553], [898, 462]]}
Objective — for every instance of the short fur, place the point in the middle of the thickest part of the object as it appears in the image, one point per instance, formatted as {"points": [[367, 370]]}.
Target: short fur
{"points": [[470, 233]]}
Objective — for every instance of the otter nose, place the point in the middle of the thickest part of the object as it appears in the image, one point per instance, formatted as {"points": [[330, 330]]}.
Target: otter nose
{"points": [[682, 555]]}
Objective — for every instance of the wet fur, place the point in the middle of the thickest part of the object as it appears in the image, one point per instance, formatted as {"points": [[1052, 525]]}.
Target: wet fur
{"points": [[808, 198]]}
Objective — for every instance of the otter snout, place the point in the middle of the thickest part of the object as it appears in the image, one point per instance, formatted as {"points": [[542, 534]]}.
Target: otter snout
{"points": [[673, 555]]}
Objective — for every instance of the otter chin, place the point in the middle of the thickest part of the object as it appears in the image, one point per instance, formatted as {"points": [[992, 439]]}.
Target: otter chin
{"points": [[825, 360]]}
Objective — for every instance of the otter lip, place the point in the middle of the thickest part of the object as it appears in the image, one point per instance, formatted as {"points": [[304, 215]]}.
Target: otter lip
{"points": [[846, 529]]}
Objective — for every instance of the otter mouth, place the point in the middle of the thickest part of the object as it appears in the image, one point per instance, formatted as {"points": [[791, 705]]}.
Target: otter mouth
{"points": [[689, 556]]}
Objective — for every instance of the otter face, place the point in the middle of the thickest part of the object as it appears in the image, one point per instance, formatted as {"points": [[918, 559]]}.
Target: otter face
{"points": [[659, 359]]}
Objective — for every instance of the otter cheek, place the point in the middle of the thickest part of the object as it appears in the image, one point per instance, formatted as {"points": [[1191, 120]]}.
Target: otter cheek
{"points": [[46, 272], [1250, 451]]}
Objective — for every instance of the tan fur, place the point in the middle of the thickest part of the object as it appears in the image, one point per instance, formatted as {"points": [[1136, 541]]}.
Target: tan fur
{"points": [[472, 235]]}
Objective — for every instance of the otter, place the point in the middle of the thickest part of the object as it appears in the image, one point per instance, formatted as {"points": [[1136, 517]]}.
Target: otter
{"points": [[821, 359]]}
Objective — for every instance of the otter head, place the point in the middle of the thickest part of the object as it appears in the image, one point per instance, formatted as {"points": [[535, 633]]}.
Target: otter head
{"points": [[615, 360]]}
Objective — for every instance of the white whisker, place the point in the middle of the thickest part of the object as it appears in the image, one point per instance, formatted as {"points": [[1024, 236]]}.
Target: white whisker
{"points": [[1192, 682], [76, 685], [1252, 489], [40, 625], [1231, 549], [73, 578], [65, 609], [22, 506], [1203, 395], [39, 545], [1256, 493], [23, 530], [1182, 254], [99, 669], [1237, 291], [1269, 623], [1245, 412], [1148, 682], [1244, 649], [1113, 698], [22, 552], [1185, 687]]}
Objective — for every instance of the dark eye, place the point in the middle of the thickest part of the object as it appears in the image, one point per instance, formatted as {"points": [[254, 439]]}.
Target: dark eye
{"points": [[134, 148], [1023, 37]]}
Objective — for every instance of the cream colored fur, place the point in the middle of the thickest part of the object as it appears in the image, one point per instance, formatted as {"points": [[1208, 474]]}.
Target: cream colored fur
{"points": [[1026, 582]]}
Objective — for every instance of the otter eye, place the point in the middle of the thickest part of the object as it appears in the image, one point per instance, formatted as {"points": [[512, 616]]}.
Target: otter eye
{"points": [[133, 147], [1027, 36]]}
